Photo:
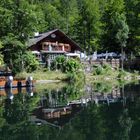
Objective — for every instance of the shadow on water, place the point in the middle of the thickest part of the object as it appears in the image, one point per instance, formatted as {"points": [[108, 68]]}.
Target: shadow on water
{"points": [[74, 111]]}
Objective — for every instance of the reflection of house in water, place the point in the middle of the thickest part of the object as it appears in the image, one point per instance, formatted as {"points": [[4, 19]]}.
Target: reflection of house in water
{"points": [[54, 112], [58, 115], [56, 107], [51, 113], [112, 97]]}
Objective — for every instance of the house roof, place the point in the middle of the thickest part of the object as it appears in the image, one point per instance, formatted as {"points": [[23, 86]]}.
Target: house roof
{"points": [[40, 37]]}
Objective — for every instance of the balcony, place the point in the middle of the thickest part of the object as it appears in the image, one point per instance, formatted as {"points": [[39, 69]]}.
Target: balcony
{"points": [[55, 47]]}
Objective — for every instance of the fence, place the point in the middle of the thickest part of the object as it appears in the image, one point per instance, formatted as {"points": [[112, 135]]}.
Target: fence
{"points": [[115, 63]]}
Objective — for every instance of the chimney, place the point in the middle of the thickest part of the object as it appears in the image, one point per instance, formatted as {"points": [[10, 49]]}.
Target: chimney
{"points": [[36, 34]]}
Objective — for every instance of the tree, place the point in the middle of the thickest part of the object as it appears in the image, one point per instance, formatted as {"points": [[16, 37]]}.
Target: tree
{"points": [[52, 16], [88, 26], [133, 20], [69, 12], [122, 33], [110, 26], [19, 20]]}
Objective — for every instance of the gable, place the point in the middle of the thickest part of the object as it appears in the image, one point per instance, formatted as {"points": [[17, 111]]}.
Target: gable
{"points": [[55, 36]]}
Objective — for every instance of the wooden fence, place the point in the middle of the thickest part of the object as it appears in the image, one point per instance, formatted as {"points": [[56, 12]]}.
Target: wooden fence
{"points": [[115, 63]]}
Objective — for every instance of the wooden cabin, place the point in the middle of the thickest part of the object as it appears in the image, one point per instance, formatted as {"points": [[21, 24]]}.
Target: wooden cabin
{"points": [[47, 46]]}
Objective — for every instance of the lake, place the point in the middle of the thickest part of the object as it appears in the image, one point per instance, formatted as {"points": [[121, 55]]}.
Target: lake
{"points": [[77, 111]]}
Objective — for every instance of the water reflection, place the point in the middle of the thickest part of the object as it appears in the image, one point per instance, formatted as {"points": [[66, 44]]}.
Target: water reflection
{"points": [[10, 92], [83, 112]]}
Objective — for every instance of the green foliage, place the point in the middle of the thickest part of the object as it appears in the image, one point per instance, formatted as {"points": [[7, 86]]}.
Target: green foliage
{"points": [[102, 87], [72, 65], [30, 62], [21, 17], [133, 20], [88, 27], [111, 27], [75, 76], [66, 65], [59, 63], [12, 59], [18, 20], [107, 67], [104, 29], [122, 74], [102, 69], [123, 30], [97, 70]]}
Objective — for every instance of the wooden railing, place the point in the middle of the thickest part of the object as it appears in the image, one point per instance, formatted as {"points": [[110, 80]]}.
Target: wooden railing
{"points": [[115, 63]]}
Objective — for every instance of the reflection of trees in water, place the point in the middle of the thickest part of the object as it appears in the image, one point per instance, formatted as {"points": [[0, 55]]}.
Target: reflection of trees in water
{"points": [[19, 108], [103, 87], [99, 123], [102, 122], [125, 125], [54, 98], [15, 116], [94, 122]]}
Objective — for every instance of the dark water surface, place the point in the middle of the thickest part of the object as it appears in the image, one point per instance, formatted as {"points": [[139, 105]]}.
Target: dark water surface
{"points": [[97, 111]]}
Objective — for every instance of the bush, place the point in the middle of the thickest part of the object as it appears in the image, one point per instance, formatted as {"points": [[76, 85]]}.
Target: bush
{"points": [[59, 63], [30, 62], [104, 69], [71, 77], [66, 65], [97, 70], [107, 67], [122, 74], [75, 76], [72, 65]]}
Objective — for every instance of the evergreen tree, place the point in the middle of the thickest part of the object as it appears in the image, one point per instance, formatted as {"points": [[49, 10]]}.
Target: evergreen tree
{"points": [[133, 20], [88, 25], [18, 21], [110, 29]]}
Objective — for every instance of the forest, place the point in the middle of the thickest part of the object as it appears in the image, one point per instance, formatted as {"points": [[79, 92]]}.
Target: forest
{"points": [[96, 25]]}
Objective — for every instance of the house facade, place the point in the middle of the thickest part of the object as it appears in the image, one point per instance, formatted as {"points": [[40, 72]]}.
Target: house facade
{"points": [[47, 46]]}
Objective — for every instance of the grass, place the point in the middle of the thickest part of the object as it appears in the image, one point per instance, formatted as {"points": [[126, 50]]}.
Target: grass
{"points": [[105, 72], [51, 86], [40, 75], [114, 75]]}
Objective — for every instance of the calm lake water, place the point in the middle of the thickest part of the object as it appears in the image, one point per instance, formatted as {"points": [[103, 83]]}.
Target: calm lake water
{"points": [[98, 111]]}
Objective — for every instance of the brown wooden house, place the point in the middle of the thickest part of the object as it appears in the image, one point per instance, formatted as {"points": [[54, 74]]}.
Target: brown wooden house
{"points": [[47, 46]]}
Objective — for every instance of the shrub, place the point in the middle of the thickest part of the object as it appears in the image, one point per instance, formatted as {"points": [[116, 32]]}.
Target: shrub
{"points": [[122, 74], [106, 66], [30, 62], [59, 63], [72, 65], [102, 69], [66, 65], [97, 70], [75, 76]]}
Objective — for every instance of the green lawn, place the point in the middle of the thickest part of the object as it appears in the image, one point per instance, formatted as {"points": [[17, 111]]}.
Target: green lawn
{"points": [[39, 75]]}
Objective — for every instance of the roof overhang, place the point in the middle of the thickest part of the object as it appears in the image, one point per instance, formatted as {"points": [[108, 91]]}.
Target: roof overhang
{"points": [[53, 52], [38, 39]]}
